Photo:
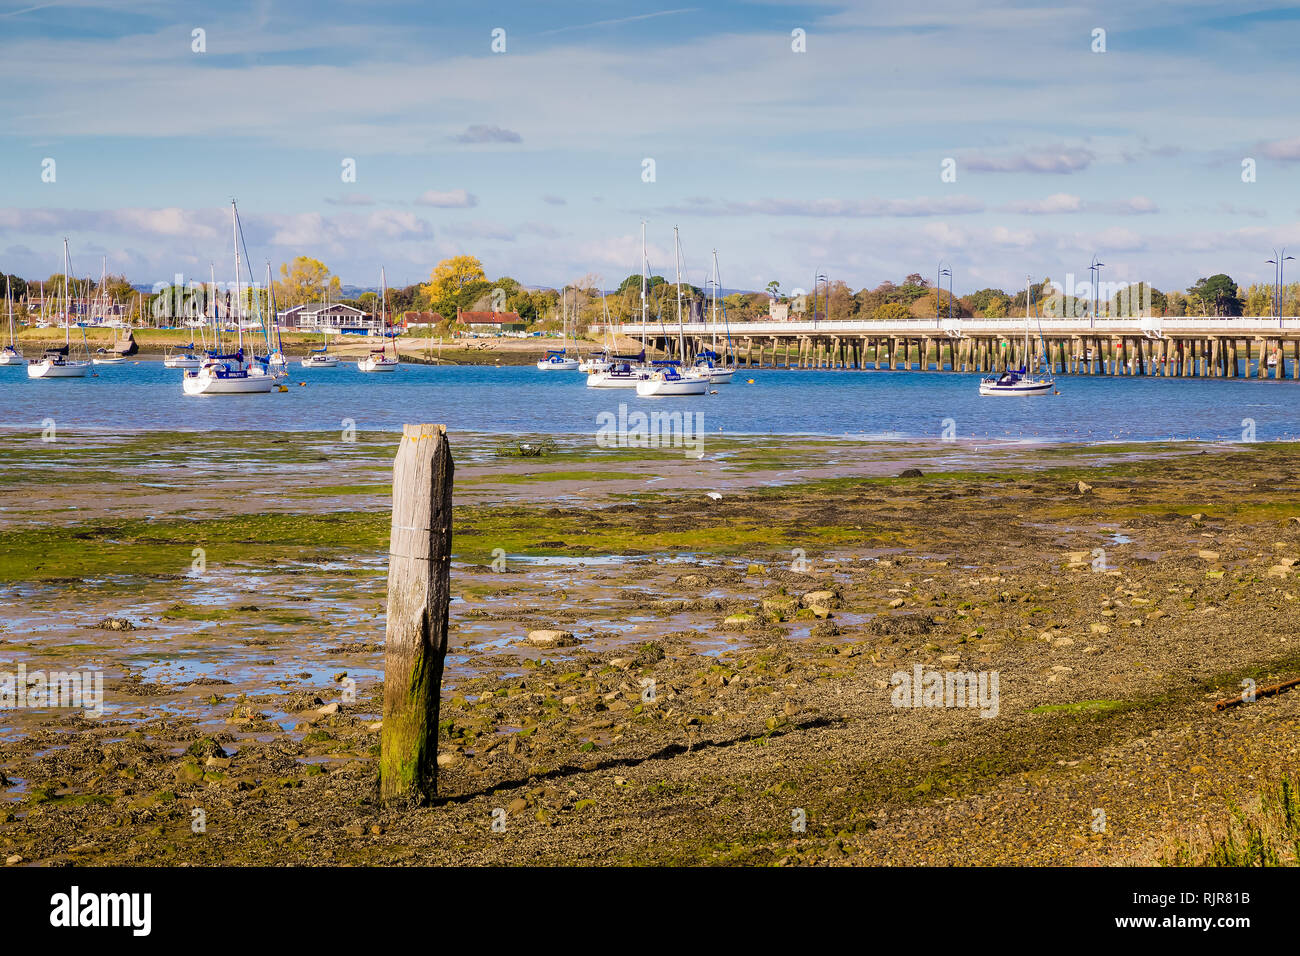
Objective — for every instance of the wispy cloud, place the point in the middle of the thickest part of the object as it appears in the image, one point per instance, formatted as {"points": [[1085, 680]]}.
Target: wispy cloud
{"points": [[1284, 150], [449, 199], [1057, 160], [350, 199], [822, 208], [480, 133], [606, 23], [1065, 203]]}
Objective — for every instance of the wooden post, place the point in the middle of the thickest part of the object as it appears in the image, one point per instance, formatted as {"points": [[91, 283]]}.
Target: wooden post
{"points": [[419, 591]]}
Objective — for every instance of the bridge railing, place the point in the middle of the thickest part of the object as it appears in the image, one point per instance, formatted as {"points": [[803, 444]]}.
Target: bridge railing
{"points": [[955, 327]]}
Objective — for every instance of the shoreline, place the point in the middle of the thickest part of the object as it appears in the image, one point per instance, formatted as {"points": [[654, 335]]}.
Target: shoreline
{"points": [[771, 619]]}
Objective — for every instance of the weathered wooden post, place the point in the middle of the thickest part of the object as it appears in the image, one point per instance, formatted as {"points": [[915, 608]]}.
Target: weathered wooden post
{"points": [[419, 590]]}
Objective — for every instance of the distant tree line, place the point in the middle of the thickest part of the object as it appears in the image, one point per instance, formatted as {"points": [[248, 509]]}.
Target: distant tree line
{"points": [[460, 284]]}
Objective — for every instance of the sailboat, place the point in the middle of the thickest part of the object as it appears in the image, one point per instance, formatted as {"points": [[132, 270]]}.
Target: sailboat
{"points": [[624, 371], [321, 357], [707, 362], [1020, 381], [229, 374], [277, 362], [56, 362], [599, 361], [102, 355], [378, 360], [186, 356], [9, 355], [557, 360], [667, 379]]}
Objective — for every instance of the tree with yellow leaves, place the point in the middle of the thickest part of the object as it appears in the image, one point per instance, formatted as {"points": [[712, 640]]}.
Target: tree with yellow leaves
{"points": [[305, 280], [454, 283]]}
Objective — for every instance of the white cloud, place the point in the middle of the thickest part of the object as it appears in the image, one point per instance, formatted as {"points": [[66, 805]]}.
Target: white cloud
{"points": [[849, 208], [450, 199], [1061, 160]]}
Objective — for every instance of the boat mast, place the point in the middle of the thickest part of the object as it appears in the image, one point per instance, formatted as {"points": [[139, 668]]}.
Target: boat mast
{"points": [[383, 308], [645, 275], [67, 326], [681, 340], [270, 308], [714, 321], [9, 302], [216, 325], [1027, 300], [234, 227]]}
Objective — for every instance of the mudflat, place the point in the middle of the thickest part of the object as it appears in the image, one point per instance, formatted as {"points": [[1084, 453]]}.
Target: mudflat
{"points": [[724, 684]]}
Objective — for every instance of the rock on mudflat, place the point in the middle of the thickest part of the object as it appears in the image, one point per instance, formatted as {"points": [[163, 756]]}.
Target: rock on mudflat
{"points": [[823, 598], [115, 624], [545, 638]]}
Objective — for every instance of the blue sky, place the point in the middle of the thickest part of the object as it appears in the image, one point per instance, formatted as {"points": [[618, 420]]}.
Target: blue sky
{"points": [[787, 163]]}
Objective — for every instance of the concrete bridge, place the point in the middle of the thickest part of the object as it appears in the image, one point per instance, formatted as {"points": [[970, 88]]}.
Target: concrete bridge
{"points": [[1170, 347]]}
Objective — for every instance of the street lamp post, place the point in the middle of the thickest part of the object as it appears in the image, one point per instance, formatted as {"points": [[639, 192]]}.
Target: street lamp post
{"points": [[821, 278], [1095, 271], [1276, 262], [937, 289]]}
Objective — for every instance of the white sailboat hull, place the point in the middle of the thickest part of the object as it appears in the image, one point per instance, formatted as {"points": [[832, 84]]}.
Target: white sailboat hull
{"points": [[115, 360], [182, 361], [12, 358], [377, 365], [329, 362], [1016, 388], [653, 387], [715, 376], [47, 369], [607, 380], [564, 365], [204, 383]]}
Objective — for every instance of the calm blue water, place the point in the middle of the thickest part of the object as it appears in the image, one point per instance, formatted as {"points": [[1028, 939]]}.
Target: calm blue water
{"points": [[521, 399]]}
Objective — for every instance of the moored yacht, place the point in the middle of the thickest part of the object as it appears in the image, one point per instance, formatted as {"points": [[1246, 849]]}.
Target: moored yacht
{"points": [[1020, 381], [57, 362], [667, 377]]}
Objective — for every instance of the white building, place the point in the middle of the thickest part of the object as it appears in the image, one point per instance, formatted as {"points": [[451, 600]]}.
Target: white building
{"points": [[335, 317]]}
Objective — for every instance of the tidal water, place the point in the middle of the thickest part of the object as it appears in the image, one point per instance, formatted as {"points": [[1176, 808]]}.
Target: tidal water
{"points": [[884, 405]]}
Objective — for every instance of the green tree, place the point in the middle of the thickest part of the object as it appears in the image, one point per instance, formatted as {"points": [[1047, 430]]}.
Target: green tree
{"points": [[892, 312], [1132, 300], [1216, 295], [996, 307], [981, 300]]}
